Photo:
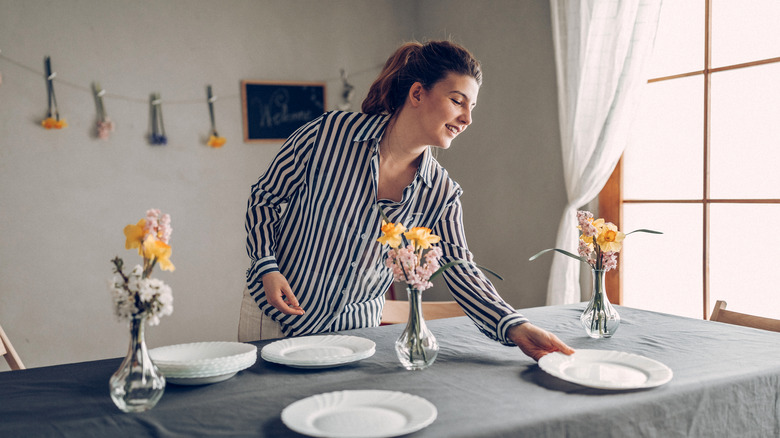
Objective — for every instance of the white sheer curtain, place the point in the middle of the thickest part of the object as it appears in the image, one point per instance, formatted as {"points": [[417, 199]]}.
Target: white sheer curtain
{"points": [[601, 49]]}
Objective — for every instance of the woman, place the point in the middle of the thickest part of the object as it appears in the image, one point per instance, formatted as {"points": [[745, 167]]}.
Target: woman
{"points": [[314, 217]]}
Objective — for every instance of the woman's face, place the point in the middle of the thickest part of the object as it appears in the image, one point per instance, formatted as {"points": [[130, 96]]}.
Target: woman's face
{"points": [[446, 109]]}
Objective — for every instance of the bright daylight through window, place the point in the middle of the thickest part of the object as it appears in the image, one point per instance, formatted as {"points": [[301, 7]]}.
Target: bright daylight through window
{"points": [[702, 163]]}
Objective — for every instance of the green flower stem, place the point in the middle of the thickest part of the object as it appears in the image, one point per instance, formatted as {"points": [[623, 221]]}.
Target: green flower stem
{"points": [[414, 326], [600, 318]]}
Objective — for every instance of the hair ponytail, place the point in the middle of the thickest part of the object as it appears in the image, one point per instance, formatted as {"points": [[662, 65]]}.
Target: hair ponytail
{"points": [[415, 62]]}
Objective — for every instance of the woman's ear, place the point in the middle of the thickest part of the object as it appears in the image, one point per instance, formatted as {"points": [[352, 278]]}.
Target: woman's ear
{"points": [[416, 92]]}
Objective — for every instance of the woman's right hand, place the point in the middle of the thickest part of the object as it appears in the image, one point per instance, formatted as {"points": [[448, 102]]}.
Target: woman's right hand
{"points": [[279, 294]]}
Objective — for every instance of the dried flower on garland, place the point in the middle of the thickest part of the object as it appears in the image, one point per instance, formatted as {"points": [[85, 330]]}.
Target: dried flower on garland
{"points": [[52, 120], [104, 124], [157, 136], [215, 140]]}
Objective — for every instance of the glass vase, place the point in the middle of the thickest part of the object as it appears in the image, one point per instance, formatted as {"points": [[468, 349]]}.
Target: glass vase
{"points": [[416, 348], [137, 385], [600, 319]]}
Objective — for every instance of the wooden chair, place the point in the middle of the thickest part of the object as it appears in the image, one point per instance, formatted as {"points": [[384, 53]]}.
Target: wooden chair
{"points": [[397, 312], [8, 352], [720, 314]]}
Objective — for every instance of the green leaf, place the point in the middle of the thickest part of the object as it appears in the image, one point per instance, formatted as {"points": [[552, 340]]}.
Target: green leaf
{"points": [[566, 253], [382, 212], [645, 231], [459, 262]]}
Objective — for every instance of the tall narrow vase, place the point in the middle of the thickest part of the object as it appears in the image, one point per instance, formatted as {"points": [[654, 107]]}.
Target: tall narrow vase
{"points": [[137, 385], [600, 319], [417, 347]]}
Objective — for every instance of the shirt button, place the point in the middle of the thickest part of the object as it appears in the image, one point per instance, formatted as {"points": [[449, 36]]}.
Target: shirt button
{"points": [[354, 264]]}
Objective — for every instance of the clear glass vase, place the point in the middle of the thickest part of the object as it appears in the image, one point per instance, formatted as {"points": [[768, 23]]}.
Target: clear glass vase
{"points": [[137, 385], [416, 348], [600, 319]]}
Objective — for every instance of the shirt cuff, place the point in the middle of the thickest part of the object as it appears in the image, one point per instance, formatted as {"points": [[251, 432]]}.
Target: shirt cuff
{"points": [[254, 274], [507, 322]]}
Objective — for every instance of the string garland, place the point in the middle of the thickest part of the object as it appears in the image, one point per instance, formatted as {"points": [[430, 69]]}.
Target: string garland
{"points": [[145, 101], [105, 125]]}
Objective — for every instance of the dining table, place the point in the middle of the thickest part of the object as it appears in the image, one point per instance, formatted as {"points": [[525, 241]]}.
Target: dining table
{"points": [[725, 382]]}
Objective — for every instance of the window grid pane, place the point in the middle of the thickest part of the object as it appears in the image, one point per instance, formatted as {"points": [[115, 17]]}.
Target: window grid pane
{"points": [[665, 270], [744, 266], [679, 39], [664, 154], [744, 31], [744, 133]]}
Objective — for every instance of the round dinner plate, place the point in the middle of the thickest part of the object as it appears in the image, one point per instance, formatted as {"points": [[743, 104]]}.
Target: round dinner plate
{"points": [[360, 413], [318, 351], [606, 369]]}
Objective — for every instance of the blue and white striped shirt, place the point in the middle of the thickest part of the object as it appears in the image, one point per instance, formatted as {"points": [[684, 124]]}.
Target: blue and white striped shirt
{"points": [[313, 216]]}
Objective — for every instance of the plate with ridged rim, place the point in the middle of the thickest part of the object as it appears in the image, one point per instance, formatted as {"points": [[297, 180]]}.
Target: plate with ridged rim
{"points": [[359, 413], [318, 351], [607, 369]]}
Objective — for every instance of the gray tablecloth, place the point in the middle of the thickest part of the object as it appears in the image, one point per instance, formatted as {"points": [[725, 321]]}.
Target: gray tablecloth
{"points": [[726, 383]]}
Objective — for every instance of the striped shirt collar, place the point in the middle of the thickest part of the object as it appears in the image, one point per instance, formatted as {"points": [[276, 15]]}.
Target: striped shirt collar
{"points": [[375, 128]]}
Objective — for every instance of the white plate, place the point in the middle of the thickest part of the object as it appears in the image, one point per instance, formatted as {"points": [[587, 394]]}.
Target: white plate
{"points": [[199, 380], [605, 369], [318, 351], [364, 413]]}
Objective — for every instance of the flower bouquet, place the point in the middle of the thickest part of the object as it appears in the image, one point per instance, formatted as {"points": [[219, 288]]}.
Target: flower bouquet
{"points": [[415, 262], [138, 385], [599, 245]]}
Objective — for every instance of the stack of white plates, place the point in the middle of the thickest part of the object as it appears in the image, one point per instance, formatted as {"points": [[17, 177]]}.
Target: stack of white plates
{"points": [[200, 363]]}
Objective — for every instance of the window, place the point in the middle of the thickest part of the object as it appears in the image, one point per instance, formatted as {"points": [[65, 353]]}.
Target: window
{"points": [[703, 164]]}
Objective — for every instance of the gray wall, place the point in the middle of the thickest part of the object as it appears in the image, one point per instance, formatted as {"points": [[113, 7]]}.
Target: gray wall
{"points": [[66, 196]]}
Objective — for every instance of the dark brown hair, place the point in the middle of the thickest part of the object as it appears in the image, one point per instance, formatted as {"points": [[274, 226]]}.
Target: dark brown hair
{"points": [[426, 63]]}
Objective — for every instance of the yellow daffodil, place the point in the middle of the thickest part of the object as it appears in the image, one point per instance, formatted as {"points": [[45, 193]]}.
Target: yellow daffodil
{"points": [[158, 251], [609, 238], [391, 234], [587, 239], [134, 235], [216, 142], [421, 237]]}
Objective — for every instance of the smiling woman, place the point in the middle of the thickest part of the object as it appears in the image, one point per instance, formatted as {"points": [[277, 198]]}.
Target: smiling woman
{"points": [[347, 168]]}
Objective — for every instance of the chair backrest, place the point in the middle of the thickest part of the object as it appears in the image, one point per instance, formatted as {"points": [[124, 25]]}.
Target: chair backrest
{"points": [[8, 352], [720, 314], [397, 312]]}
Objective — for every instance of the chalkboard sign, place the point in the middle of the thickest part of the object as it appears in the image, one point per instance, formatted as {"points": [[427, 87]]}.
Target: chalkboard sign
{"points": [[274, 110]]}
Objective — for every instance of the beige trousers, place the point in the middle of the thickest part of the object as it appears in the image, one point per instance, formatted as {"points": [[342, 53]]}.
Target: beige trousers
{"points": [[253, 324]]}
